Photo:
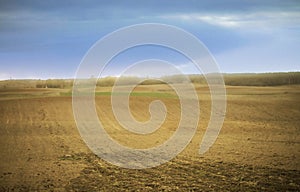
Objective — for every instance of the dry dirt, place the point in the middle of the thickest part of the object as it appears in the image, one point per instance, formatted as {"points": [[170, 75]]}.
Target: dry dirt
{"points": [[258, 148]]}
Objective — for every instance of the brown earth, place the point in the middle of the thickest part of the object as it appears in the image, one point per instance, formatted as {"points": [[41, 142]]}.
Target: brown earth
{"points": [[258, 148]]}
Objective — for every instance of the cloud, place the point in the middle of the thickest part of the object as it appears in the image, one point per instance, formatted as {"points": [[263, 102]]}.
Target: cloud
{"points": [[260, 19]]}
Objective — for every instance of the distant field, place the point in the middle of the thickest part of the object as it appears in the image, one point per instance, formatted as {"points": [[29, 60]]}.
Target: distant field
{"points": [[258, 148]]}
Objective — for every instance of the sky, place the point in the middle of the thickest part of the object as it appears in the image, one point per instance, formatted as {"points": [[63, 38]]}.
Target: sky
{"points": [[48, 39]]}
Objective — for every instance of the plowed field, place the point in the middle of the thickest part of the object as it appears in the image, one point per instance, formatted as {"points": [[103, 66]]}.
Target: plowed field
{"points": [[258, 148]]}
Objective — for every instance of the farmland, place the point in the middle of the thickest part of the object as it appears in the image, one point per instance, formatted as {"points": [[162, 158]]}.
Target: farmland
{"points": [[258, 148]]}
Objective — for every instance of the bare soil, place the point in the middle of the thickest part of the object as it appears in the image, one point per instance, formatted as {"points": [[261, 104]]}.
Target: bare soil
{"points": [[258, 148]]}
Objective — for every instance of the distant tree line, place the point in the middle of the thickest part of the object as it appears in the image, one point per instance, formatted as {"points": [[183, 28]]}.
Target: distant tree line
{"points": [[262, 79], [54, 83], [246, 79]]}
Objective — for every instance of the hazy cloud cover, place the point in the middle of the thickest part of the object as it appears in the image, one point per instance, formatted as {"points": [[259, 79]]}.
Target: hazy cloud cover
{"points": [[47, 39]]}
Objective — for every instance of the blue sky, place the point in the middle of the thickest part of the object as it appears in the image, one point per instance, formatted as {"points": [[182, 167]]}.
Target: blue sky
{"points": [[48, 39]]}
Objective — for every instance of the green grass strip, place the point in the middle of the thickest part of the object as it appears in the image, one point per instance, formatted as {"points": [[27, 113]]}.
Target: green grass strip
{"points": [[135, 94]]}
